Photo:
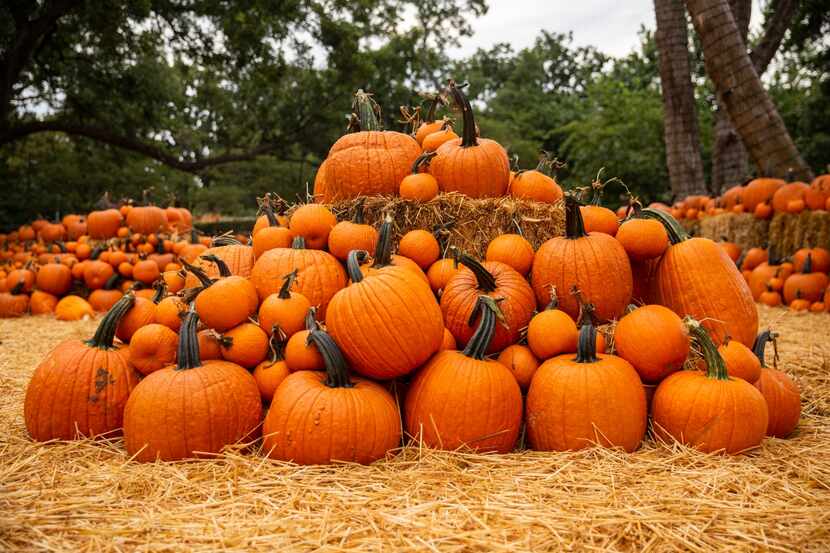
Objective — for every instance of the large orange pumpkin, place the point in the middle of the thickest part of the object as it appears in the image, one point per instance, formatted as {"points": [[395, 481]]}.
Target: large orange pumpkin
{"points": [[760, 191]]}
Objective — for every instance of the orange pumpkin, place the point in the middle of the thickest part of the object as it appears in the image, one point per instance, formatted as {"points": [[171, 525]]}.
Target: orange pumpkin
{"points": [[781, 394], [654, 340]]}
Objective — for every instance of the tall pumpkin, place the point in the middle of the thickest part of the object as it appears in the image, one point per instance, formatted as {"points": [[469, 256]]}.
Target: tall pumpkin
{"points": [[81, 387], [368, 162], [477, 167], [461, 399], [387, 323], [695, 277], [595, 262], [576, 402], [321, 417], [193, 408]]}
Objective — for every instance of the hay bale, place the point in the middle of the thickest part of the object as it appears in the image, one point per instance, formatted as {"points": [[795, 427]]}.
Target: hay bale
{"points": [[741, 228], [788, 232], [473, 222]]}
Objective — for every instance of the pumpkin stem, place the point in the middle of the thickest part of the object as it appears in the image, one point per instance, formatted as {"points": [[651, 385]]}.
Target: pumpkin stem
{"points": [[574, 226], [160, 291], [554, 299], [276, 344], [269, 211], [358, 211], [367, 112], [224, 271], [337, 373], [807, 268], [422, 159], [198, 273], [353, 261], [586, 348], [435, 100], [586, 309], [111, 281], [105, 333], [676, 232], [715, 365], [298, 243], [383, 249], [761, 343], [486, 280], [18, 288], [489, 311], [468, 135], [311, 319], [188, 352], [287, 283], [226, 239]]}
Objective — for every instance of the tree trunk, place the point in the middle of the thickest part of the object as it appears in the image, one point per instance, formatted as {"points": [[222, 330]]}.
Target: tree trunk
{"points": [[730, 161], [679, 115], [749, 107]]}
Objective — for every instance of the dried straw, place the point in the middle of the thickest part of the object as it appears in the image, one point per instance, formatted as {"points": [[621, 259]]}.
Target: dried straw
{"points": [[472, 223], [86, 495], [788, 232], [743, 229]]}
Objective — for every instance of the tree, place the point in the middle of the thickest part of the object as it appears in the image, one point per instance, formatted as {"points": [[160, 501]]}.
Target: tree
{"points": [[739, 87], [680, 118]]}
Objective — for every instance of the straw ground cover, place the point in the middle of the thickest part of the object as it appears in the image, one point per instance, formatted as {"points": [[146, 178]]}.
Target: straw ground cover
{"points": [[88, 496]]}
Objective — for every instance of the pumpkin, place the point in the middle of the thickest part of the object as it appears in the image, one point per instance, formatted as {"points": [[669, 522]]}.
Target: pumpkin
{"points": [[773, 271], [270, 373], [536, 184], [818, 193], [654, 340], [386, 323], [820, 258], [225, 302], [430, 124], [696, 278], [142, 313], [740, 360], [42, 303], [169, 312], [14, 303], [593, 398], [732, 197], [595, 262], [104, 224], [420, 246], [22, 279], [521, 362], [81, 387], [440, 273], [732, 249], [146, 271], [641, 238], [709, 410], [73, 308], [352, 235], [799, 303], [770, 297], [551, 331], [383, 256], [477, 167], [271, 236], [760, 191], [787, 193], [285, 309], [104, 298], [513, 250], [434, 140], [460, 399], [245, 345], [806, 283], [54, 278], [418, 186], [461, 297], [754, 257], [368, 162], [146, 219], [314, 223], [763, 211], [152, 348], [301, 354], [295, 428], [781, 394], [97, 273], [239, 260], [599, 219], [190, 409], [319, 274], [448, 341]]}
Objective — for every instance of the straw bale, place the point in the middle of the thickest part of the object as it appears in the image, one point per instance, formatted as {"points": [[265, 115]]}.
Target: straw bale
{"points": [[87, 495], [473, 222], [789, 232], [741, 228]]}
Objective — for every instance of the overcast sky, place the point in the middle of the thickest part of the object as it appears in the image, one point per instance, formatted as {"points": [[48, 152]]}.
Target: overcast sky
{"points": [[610, 25]]}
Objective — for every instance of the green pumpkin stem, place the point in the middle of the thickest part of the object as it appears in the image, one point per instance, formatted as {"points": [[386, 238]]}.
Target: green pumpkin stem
{"points": [[715, 365], [486, 280], [225, 240], [358, 211], [383, 249], [298, 243], [160, 288], [353, 262], [760, 346], [807, 268], [337, 373], [487, 311], [367, 112], [554, 299], [676, 232], [224, 271], [105, 334], [311, 319], [435, 100], [586, 347], [276, 344], [287, 283], [197, 272], [269, 211], [188, 352], [422, 159], [574, 226], [112, 281], [468, 135]]}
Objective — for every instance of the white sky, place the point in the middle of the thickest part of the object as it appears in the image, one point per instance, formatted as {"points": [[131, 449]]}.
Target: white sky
{"points": [[610, 25]]}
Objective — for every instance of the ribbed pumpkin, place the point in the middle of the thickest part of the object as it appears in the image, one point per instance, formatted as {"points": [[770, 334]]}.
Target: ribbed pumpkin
{"points": [[477, 167], [152, 348], [386, 323], [460, 399], [238, 258], [285, 309], [319, 274], [460, 301], [576, 402], [642, 239], [654, 340], [696, 278], [104, 224], [594, 262], [368, 162], [709, 410], [191, 409], [352, 235], [81, 387], [146, 219], [225, 302], [780, 392], [536, 184], [513, 250], [54, 278]]}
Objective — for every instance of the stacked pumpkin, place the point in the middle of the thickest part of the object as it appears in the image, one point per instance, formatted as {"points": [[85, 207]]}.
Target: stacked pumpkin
{"points": [[800, 283], [337, 334], [84, 264]]}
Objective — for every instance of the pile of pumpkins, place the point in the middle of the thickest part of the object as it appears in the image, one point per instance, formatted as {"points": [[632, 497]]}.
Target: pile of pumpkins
{"points": [[800, 282], [762, 197]]}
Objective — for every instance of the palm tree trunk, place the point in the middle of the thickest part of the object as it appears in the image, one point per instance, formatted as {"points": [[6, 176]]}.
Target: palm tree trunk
{"points": [[679, 116], [749, 107]]}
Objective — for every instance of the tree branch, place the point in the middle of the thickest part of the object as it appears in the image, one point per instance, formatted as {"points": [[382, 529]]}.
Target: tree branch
{"points": [[127, 143], [775, 27]]}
